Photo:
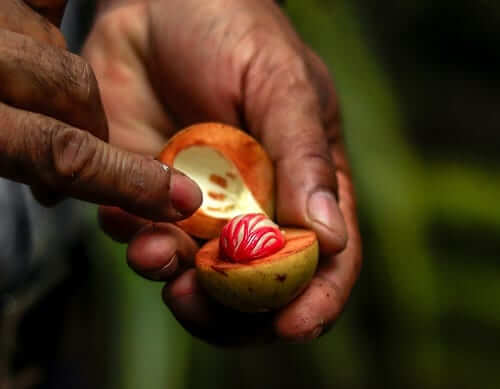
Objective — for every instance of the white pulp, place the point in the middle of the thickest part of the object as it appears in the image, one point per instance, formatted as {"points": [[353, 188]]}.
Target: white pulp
{"points": [[225, 195]]}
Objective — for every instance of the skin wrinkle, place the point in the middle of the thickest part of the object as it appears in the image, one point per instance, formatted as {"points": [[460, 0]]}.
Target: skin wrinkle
{"points": [[245, 76], [35, 146], [73, 153], [89, 83], [333, 133], [149, 65], [228, 94], [120, 167], [89, 168], [320, 77], [145, 196], [133, 59], [282, 79], [135, 179], [308, 152], [237, 45], [39, 146]]}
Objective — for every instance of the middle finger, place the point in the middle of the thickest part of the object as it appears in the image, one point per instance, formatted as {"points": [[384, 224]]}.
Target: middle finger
{"points": [[159, 251], [18, 17], [46, 80]]}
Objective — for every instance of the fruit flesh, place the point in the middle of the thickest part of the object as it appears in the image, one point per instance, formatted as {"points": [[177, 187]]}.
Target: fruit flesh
{"points": [[225, 195], [254, 170], [263, 284]]}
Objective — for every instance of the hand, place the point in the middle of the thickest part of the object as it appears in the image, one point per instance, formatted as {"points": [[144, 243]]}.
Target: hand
{"points": [[163, 65], [53, 128]]}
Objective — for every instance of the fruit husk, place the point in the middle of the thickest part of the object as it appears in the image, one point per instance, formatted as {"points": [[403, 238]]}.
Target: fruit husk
{"points": [[249, 157], [264, 284]]}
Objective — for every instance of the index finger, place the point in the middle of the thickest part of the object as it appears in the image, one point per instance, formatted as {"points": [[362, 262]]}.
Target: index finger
{"points": [[36, 149]]}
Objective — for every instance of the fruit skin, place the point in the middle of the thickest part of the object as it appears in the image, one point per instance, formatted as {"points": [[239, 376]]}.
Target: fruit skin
{"points": [[249, 157], [264, 284]]}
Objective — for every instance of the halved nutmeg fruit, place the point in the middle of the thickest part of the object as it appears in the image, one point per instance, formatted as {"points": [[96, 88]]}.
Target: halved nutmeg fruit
{"points": [[232, 169], [264, 270], [251, 264]]}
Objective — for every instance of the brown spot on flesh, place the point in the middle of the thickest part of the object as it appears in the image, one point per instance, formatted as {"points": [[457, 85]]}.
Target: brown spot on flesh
{"points": [[220, 270], [280, 277], [232, 176], [217, 196], [218, 180], [222, 209]]}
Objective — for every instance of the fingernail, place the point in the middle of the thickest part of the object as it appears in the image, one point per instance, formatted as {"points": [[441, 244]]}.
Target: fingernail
{"points": [[308, 336], [185, 195], [165, 272], [324, 210], [316, 332]]}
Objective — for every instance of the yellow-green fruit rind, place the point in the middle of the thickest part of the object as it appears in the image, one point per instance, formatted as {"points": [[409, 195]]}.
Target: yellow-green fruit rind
{"points": [[261, 285]]}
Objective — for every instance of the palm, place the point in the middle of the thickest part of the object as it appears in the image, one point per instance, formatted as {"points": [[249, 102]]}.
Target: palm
{"points": [[148, 91]]}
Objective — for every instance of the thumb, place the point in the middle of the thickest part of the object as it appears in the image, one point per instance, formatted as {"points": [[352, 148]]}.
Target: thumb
{"points": [[286, 115], [41, 151]]}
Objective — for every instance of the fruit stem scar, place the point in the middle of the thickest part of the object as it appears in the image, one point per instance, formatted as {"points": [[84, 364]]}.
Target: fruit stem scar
{"points": [[280, 277], [218, 180]]}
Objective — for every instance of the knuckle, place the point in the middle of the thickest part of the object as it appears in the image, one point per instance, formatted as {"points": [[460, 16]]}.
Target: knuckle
{"points": [[135, 177], [56, 37], [309, 148], [37, 143], [291, 71], [321, 158], [323, 83], [73, 154], [83, 80], [141, 178], [282, 63], [75, 77]]}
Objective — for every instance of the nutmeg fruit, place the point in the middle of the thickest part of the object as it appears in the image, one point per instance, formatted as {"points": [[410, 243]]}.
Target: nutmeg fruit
{"points": [[250, 264], [260, 284], [233, 170]]}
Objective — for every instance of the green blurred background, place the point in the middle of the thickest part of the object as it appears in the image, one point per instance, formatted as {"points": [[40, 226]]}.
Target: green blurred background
{"points": [[419, 90]]}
